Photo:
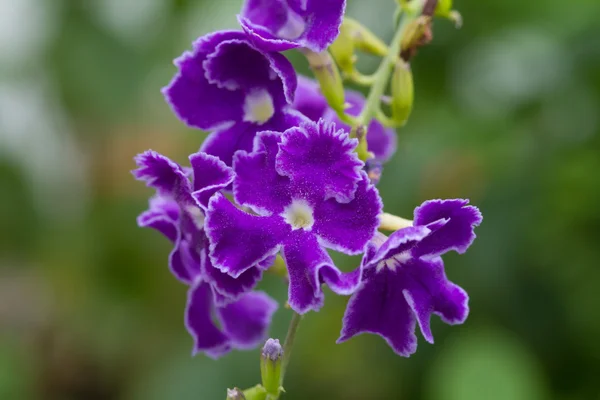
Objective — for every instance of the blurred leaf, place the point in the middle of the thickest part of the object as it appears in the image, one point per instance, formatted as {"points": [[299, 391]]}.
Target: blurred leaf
{"points": [[485, 364]]}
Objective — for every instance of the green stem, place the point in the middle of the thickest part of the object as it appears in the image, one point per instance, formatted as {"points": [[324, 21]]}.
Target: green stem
{"points": [[360, 79], [382, 75], [289, 343]]}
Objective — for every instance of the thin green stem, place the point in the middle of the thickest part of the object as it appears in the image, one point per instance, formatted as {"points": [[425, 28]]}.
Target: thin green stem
{"points": [[361, 79], [385, 120], [289, 343], [382, 75]]}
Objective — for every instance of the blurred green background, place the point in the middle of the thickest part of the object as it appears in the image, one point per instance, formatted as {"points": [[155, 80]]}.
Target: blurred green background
{"points": [[506, 114]]}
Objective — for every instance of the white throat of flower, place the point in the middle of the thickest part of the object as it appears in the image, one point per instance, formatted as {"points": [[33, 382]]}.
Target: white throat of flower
{"points": [[258, 106], [293, 28], [393, 262], [197, 216], [299, 215]]}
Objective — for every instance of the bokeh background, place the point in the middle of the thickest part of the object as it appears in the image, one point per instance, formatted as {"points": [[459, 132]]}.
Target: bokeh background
{"points": [[506, 114]]}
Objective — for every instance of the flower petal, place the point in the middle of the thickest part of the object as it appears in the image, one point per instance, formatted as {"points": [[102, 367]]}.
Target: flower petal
{"points": [[184, 263], [238, 240], [198, 320], [309, 100], [457, 233], [161, 216], [162, 174], [401, 241], [428, 291], [304, 258], [231, 288], [309, 266], [322, 155], [347, 227], [247, 320], [210, 176], [281, 25], [324, 19], [379, 307], [263, 38], [225, 142], [257, 184], [195, 100], [222, 66]]}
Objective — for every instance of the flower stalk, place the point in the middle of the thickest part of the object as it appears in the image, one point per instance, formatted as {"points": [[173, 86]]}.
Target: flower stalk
{"points": [[382, 76], [289, 343]]}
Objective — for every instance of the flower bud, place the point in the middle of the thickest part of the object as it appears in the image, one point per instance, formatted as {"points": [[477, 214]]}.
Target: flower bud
{"points": [[353, 35], [365, 40], [374, 169], [342, 49], [444, 10], [403, 92], [235, 394], [443, 7], [270, 366], [417, 33], [328, 76]]}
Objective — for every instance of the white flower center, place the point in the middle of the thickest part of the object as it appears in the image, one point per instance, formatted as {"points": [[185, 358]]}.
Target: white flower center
{"points": [[393, 262], [299, 215], [197, 216], [293, 28], [258, 106]]}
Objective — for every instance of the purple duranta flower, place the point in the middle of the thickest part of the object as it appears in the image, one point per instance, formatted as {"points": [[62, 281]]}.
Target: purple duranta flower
{"points": [[177, 211], [226, 85], [404, 280], [308, 193], [278, 25], [381, 141]]}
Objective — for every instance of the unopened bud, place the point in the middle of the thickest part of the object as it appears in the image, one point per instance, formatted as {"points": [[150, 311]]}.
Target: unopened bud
{"points": [[342, 49], [418, 33], [444, 10], [374, 169], [403, 92], [328, 76], [235, 394], [270, 366], [365, 40], [355, 36]]}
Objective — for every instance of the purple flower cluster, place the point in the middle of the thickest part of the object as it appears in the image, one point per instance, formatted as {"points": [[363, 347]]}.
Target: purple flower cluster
{"points": [[278, 174]]}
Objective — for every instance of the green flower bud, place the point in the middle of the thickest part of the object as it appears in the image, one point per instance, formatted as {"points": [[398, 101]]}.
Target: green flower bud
{"points": [[235, 394], [270, 366], [403, 92], [443, 7], [355, 36], [365, 40], [416, 33], [444, 10], [328, 75], [342, 49]]}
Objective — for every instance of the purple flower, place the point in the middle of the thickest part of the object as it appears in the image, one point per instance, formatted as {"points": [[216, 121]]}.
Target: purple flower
{"points": [[309, 101], [404, 280], [309, 193], [278, 25], [177, 211], [225, 84]]}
